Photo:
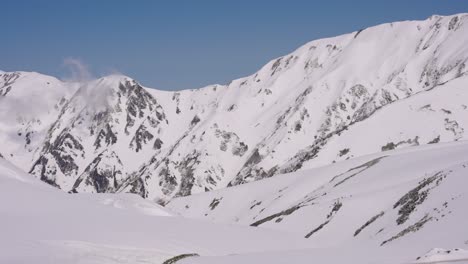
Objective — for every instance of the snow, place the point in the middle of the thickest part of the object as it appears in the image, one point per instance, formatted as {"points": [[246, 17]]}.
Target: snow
{"points": [[440, 255], [41, 224], [27, 108], [363, 193], [348, 148]]}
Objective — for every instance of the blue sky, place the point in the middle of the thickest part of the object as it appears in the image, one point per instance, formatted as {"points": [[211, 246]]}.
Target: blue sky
{"points": [[179, 44]]}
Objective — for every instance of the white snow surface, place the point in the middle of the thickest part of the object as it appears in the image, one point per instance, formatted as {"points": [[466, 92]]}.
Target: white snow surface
{"points": [[41, 224], [440, 255], [351, 148], [416, 197]]}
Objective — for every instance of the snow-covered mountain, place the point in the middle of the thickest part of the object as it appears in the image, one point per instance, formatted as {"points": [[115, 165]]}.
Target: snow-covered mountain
{"points": [[382, 88]]}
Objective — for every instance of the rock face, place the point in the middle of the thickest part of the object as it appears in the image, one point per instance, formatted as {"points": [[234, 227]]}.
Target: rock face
{"points": [[105, 121], [386, 87], [104, 174]]}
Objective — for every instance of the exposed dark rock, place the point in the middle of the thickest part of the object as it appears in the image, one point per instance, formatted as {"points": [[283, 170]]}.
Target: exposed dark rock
{"points": [[130, 123], [142, 137], [240, 149], [195, 121], [414, 197], [175, 259], [28, 138], [453, 24], [139, 103], [46, 174], [359, 169], [255, 204], [248, 168], [157, 143], [63, 150], [8, 80], [297, 127], [167, 180], [301, 157], [254, 158], [232, 108], [426, 107], [161, 169], [413, 228], [107, 135], [454, 127], [369, 222], [215, 203], [336, 207], [153, 122], [275, 66], [433, 73], [138, 187], [435, 140], [318, 228], [273, 216], [104, 174], [391, 145], [357, 33], [186, 168], [223, 146], [343, 152]]}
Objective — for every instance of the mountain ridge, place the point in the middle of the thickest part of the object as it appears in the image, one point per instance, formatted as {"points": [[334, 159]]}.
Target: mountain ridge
{"points": [[293, 113]]}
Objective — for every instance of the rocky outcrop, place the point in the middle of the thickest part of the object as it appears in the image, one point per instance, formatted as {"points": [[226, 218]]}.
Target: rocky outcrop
{"points": [[103, 175]]}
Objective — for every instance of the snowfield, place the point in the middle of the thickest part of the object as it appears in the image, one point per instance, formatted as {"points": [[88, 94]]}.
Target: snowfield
{"points": [[40, 224], [401, 207], [406, 201]]}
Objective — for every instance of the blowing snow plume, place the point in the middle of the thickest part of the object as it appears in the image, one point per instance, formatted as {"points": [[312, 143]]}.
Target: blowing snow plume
{"points": [[94, 92], [79, 71]]}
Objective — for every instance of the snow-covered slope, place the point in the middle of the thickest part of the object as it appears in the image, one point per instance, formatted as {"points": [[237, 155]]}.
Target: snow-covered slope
{"points": [[407, 206], [40, 224], [29, 104], [106, 125], [383, 208], [390, 86]]}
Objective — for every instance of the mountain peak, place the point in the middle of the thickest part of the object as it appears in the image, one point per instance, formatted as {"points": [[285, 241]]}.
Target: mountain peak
{"points": [[305, 109]]}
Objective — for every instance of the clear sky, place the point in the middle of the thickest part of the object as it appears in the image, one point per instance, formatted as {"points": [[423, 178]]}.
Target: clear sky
{"points": [[177, 44]]}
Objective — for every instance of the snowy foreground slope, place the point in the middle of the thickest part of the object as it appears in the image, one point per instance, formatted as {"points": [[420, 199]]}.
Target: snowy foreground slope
{"points": [[40, 224], [408, 206], [386, 87], [383, 208]]}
